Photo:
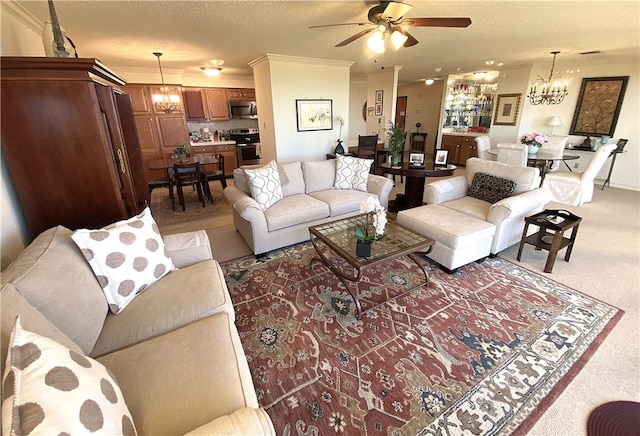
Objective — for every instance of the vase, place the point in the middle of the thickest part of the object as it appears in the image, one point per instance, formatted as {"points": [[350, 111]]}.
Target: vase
{"points": [[339, 148], [363, 249], [533, 149], [395, 159], [182, 158]]}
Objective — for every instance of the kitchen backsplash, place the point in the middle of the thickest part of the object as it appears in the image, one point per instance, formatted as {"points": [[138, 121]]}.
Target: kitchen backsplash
{"points": [[220, 126]]}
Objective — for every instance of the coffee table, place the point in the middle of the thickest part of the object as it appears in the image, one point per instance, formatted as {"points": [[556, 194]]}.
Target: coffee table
{"points": [[335, 241]]}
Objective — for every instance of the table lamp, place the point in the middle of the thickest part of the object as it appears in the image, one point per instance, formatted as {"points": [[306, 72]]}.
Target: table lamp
{"points": [[554, 122]]}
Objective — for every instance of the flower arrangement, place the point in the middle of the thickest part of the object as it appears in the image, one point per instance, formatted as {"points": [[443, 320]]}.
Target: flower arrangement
{"points": [[368, 206], [535, 139], [339, 149]]}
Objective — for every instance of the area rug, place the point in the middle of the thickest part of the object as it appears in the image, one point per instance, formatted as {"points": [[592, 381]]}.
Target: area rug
{"points": [[165, 215], [481, 351]]}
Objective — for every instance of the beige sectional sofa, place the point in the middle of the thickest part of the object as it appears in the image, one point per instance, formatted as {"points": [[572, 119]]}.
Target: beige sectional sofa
{"points": [[174, 350], [309, 198]]}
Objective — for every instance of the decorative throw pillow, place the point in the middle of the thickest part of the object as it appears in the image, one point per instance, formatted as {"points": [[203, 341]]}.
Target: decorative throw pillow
{"points": [[264, 184], [352, 173], [126, 257], [50, 389], [491, 188]]}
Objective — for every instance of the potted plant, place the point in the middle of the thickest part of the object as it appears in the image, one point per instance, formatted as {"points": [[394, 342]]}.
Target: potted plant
{"points": [[364, 238], [395, 138], [181, 152]]}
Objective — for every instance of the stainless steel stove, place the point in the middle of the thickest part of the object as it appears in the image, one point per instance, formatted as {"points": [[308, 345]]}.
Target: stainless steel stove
{"points": [[247, 145]]}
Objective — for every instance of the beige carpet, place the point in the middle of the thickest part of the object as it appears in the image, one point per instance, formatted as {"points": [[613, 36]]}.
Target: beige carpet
{"points": [[605, 264]]}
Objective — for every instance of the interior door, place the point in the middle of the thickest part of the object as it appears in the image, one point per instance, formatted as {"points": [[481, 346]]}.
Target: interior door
{"points": [[401, 111]]}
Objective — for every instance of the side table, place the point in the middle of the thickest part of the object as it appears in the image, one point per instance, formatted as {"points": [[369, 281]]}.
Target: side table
{"points": [[550, 235]]}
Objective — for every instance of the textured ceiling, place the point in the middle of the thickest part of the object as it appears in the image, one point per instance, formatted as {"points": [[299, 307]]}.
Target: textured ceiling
{"points": [[190, 33]]}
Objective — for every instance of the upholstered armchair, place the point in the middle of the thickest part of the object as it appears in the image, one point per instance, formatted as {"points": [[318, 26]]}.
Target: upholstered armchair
{"points": [[507, 214], [513, 154], [575, 188]]}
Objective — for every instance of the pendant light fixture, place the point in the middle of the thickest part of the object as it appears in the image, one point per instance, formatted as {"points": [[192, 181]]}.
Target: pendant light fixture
{"points": [[168, 100], [549, 92]]}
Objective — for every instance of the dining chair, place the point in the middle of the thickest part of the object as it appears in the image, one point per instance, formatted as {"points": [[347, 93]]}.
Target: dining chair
{"points": [[217, 174], [368, 149], [513, 154], [417, 141], [570, 187], [187, 174], [483, 144]]}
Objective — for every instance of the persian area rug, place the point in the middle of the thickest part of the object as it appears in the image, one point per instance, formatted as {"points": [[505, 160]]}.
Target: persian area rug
{"points": [[481, 351]]}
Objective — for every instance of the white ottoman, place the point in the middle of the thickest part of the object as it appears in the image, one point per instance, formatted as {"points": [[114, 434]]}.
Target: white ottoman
{"points": [[460, 238]]}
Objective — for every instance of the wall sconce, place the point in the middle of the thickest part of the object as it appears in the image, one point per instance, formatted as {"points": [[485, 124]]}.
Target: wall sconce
{"points": [[169, 100]]}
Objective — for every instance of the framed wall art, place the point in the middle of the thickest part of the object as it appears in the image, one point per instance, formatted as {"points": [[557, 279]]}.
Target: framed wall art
{"points": [[598, 106], [507, 108], [314, 114]]}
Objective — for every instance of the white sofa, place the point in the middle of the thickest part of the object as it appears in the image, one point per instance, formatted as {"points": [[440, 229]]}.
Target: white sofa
{"points": [[467, 228], [309, 198], [174, 350]]}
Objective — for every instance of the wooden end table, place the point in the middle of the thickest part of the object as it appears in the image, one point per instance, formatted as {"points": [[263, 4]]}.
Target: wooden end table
{"points": [[550, 235], [336, 239]]}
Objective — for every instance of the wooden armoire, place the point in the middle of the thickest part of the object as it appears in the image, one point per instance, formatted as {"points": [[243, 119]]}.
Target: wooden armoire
{"points": [[69, 143]]}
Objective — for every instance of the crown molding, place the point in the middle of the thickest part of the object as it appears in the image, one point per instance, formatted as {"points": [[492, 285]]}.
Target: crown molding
{"points": [[22, 15]]}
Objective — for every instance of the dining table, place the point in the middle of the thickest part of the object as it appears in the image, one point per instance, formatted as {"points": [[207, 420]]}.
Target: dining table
{"points": [[545, 159]]}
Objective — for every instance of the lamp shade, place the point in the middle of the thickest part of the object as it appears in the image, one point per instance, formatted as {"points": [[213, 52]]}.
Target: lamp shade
{"points": [[554, 122]]}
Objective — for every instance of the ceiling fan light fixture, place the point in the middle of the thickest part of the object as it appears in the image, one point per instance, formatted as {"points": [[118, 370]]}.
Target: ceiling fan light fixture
{"points": [[398, 39], [211, 71], [376, 42]]}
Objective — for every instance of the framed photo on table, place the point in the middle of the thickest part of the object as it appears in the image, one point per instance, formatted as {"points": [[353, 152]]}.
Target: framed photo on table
{"points": [[441, 156], [507, 107], [416, 160], [314, 115]]}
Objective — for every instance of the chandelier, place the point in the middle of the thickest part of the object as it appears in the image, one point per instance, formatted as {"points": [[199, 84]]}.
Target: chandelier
{"points": [[168, 100], [550, 92]]}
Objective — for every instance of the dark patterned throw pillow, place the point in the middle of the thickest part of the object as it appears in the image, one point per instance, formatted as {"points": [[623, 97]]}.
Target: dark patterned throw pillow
{"points": [[491, 188]]}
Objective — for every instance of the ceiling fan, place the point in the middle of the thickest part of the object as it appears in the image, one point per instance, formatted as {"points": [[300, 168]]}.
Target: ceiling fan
{"points": [[387, 19]]}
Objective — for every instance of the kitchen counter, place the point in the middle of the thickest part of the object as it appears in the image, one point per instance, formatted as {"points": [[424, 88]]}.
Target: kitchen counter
{"points": [[473, 134], [205, 143]]}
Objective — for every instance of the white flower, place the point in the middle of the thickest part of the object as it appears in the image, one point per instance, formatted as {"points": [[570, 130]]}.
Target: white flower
{"points": [[379, 221], [369, 205]]}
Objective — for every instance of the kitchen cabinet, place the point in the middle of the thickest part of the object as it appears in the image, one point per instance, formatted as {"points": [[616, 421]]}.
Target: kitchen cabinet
{"points": [[206, 104], [64, 144], [460, 148], [173, 131], [140, 98], [242, 94]]}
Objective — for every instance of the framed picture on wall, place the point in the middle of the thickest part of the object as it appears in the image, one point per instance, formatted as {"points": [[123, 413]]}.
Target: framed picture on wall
{"points": [[507, 107], [598, 107], [378, 112], [314, 114], [379, 96]]}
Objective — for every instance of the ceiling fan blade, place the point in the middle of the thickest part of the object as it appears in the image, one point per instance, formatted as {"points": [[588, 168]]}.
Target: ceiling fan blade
{"points": [[340, 24], [395, 10], [411, 41], [437, 22], [354, 37]]}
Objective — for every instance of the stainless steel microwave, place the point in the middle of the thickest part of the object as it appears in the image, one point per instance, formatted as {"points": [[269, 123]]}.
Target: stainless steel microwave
{"points": [[243, 109]]}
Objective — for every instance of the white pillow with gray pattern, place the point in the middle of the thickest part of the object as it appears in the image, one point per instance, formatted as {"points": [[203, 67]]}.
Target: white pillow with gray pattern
{"points": [[352, 173], [264, 183], [126, 257], [50, 389]]}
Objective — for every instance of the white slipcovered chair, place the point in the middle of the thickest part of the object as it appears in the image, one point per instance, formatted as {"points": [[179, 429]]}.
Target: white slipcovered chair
{"points": [[575, 188], [513, 154], [554, 144], [483, 144]]}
